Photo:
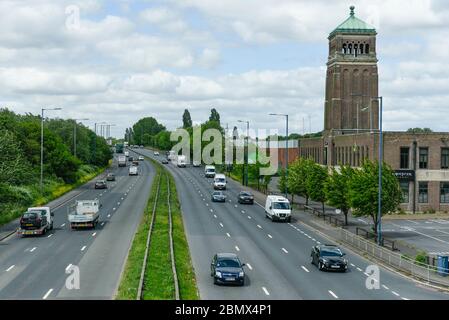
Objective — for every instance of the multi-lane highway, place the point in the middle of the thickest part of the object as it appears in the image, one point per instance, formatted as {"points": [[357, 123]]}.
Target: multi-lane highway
{"points": [[35, 267], [277, 254]]}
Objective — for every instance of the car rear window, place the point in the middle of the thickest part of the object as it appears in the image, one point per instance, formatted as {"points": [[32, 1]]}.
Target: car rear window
{"points": [[31, 215]]}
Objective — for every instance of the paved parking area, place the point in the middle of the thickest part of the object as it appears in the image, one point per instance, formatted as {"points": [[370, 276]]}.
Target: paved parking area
{"points": [[430, 235]]}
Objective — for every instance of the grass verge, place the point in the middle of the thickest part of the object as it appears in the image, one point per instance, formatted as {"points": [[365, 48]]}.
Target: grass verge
{"points": [[159, 282]]}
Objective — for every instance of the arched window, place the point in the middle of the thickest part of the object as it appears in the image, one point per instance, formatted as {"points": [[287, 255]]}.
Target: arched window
{"points": [[344, 48], [367, 49], [350, 48]]}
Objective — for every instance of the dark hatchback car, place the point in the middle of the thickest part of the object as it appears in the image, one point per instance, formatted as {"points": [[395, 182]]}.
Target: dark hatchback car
{"points": [[164, 161], [226, 268], [329, 257], [100, 184], [218, 196], [246, 197], [110, 177]]}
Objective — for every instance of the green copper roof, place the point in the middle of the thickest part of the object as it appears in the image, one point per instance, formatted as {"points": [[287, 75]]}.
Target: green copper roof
{"points": [[354, 25]]}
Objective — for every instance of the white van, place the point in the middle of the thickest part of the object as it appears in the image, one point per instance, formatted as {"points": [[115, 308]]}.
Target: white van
{"points": [[133, 171], [277, 208], [181, 161], [220, 181], [209, 171]]}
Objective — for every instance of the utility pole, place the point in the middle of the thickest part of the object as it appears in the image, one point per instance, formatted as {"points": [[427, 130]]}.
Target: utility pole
{"points": [[286, 145], [245, 167]]}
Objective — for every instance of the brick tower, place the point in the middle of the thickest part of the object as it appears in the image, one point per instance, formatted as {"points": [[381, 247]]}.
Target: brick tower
{"points": [[351, 79]]}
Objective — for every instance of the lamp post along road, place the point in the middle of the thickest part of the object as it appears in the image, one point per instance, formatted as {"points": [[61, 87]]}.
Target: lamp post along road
{"points": [[41, 183], [379, 208], [245, 166], [286, 145]]}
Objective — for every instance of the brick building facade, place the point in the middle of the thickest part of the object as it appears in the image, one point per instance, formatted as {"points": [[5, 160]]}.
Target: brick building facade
{"points": [[351, 124]]}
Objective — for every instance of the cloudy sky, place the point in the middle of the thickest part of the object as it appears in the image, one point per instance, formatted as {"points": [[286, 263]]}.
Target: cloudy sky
{"points": [[120, 60]]}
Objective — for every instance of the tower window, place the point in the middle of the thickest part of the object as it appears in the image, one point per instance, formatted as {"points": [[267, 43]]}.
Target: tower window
{"points": [[367, 48]]}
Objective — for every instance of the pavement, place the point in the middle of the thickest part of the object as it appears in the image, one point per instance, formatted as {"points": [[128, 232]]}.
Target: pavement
{"points": [[277, 254], [36, 267]]}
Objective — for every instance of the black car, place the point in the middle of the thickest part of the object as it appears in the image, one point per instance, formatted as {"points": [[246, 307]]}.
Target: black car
{"points": [[218, 196], [110, 177], [246, 197], [101, 184], [227, 268], [164, 161], [130, 158], [329, 257]]}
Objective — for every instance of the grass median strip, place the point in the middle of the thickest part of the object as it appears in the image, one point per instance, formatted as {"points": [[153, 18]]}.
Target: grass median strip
{"points": [[159, 279]]}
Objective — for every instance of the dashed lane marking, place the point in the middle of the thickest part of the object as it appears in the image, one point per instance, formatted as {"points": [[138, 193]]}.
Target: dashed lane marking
{"points": [[266, 291], [305, 269], [47, 294], [83, 248], [10, 268], [283, 249], [333, 294]]}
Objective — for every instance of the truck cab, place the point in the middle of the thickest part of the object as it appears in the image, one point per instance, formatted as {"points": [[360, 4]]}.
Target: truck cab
{"points": [[133, 171], [84, 213], [278, 208], [36, 221]]}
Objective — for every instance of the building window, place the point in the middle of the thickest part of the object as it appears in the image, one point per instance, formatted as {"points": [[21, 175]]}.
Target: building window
{"points": [[405, 191], [444, 192], [445, 158], [405, 158], [423, 195], [423, 158]]}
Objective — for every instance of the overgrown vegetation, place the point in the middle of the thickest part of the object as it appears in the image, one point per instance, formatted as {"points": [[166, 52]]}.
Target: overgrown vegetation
{"points": [[20, 160]]}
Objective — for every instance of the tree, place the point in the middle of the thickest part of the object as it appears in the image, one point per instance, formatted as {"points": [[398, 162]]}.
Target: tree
{"points": [[282, 183], [214, 116], [297, 177], [419, 130], [363, 191], [186, 119], [315, 180], [13, 165], [337, 189]]}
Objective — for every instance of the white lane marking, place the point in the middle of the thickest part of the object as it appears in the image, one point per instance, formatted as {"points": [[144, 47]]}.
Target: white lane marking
{"points": [[50, 235], [358, 269], [207, 204], [318, 242], [33, 249], [47, 294], [266, 291], [243, 211], [221, 224], [228, 234], [83, 248], [283, 249], [109, 215], [10, 268], [403, 298], [412, 221], [249, 266], [62, 225], [305, 269], [211, 210], [68, 267], [385, 287], [352, 265], [118, 203], [215, 216], [235, 205], [249, 217], [102, 224], [113, 209], [333, 294], [259, 226], [94, 234], [269, 236], [395, 293], [122, 199], [237, 248]]}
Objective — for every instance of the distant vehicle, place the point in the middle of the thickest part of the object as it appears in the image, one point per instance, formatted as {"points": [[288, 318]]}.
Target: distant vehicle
{"points": [[181, 161], [84, 213], [101, 184], [119, 148], [209, 171], [245, 197], [219, 181], [227, 268], [156, 153], [127, 154], [126, 143], [171, 155], [122, 161], [164, 161], [141, 146], [36, 221], [130, 159], [141, 158], [196, 163], [218, 196], [278, 208], [133, 171], [135, 163], [329, 257], [110, 177]]}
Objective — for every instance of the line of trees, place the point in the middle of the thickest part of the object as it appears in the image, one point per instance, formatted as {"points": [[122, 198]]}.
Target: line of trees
{"points": [[345, 189]]}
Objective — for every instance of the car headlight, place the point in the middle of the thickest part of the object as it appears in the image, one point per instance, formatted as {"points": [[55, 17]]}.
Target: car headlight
{"points": [[241, 274], [324, 260], [218, 274]]}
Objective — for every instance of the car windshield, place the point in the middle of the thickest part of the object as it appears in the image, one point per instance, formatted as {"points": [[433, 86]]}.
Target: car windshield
{"points": [[228, 263], [220, 180], [331, 253], [218, 193], [281, 205], [245, 194]]}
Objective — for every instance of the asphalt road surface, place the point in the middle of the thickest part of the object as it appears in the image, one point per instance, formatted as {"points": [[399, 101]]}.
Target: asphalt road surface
{"points": [[35, 267], [277, 254]]}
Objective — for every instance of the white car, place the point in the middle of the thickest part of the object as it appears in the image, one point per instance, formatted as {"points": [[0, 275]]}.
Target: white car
{"points": [[278, 208], [220, 182], [156, 153], [133, 171], [196, 163], [209, 171], [141, 158]]}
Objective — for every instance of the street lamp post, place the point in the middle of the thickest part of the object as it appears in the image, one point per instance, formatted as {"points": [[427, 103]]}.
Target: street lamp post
{"points": [[245, 174], [379, 208], [286, 145], [42, 145]]}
